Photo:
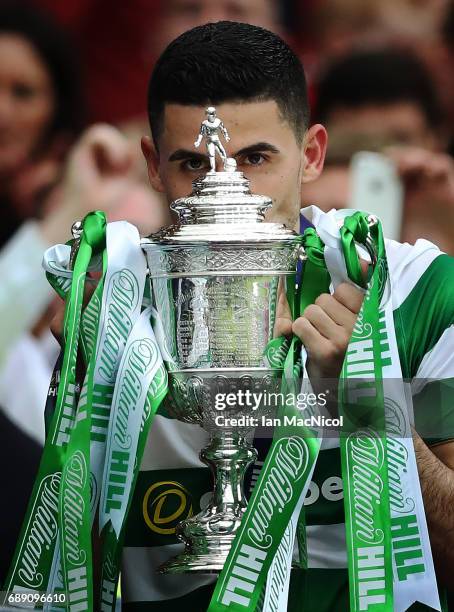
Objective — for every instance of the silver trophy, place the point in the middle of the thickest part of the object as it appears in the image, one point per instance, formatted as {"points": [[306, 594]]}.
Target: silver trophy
{"points": [[216, 277]]}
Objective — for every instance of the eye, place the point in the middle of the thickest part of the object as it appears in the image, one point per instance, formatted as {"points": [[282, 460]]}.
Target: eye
{"points": [[23, 92], [254, 159], [193, 165]]}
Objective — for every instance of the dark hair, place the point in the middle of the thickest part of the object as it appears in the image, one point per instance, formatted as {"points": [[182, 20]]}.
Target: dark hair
{"points": [[51, 44], [227, 62], [448, 27], [377, 77]]}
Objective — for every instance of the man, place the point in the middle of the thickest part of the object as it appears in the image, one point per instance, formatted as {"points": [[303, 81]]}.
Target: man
{"points": [[385, 100], [383, 92], [257, 85]]}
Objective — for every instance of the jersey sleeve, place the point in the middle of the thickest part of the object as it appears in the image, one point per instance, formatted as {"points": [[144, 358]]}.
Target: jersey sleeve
{"points": [[425, 324]]}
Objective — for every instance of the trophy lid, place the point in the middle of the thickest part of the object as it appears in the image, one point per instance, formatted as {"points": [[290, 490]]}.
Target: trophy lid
{"points": [[221, 207]]}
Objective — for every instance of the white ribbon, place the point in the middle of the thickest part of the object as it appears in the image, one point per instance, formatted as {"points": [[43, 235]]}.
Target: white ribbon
{"points": [[278, 579], [120, 308], [141, 360], [406, 503]]}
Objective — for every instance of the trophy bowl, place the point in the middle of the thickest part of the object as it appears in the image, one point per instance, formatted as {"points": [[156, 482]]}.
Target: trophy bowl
{"points": [[216, 277]]}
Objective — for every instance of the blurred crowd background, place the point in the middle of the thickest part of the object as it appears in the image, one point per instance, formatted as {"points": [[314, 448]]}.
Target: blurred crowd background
{"points": [[380, 76]]}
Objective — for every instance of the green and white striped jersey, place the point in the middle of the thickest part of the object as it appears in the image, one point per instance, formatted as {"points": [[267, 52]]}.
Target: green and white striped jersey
{"points": [[173, 484]]}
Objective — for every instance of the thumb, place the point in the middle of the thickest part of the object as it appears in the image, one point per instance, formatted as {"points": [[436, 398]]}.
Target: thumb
{"points": [[364, 268]]}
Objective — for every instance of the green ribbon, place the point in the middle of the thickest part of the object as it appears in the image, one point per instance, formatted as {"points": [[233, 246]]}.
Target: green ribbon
{"points": [[315, 280], [112, 544], [355, 229], [79, 584], [32, 560], [75, 493], [363, 443], [315, 276]]}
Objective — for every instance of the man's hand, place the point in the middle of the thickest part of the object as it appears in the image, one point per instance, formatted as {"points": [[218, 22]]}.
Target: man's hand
{"points": [[325, 329], [100, 175], [58, 318], [429, 194]]}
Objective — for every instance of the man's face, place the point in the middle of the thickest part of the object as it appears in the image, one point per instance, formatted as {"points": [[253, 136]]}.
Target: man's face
{"points": [[178, 16], [400, 123], [367, 128], [263, 144]]}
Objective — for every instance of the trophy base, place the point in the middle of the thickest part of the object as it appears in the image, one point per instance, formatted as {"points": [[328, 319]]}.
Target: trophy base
{"points": [[202, 564], [187, 563], [208, 536]]}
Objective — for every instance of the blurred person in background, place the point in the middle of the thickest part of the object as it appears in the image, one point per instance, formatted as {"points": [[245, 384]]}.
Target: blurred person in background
{"points": [[111, 40], [46, 183], [178, 16], [448, 39], [118, 42], [41, 114], [342, 25], [414, 21], [329, 30], [41, 111], [334, 28], [384, 100]]}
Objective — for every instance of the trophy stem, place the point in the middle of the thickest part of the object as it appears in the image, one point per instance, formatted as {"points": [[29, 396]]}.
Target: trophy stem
{"points": [[209, 535], [228, 455]]}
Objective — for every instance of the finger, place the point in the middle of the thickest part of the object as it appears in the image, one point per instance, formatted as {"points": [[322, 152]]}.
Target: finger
{"points": [[306, 332], [284, 321], [408, 160], [106, 148], [432, 166], [321, 321], [56, 325], [364, 267], [57, 322], [439, 167], [339, 313], [282, 327], [311, 338], [348, 295], [416, 162], [90, 286]]}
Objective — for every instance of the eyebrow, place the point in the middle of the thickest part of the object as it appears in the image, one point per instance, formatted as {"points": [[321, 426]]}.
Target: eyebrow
{"points": [[181, 154], [186, 154], [258, 146]]}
